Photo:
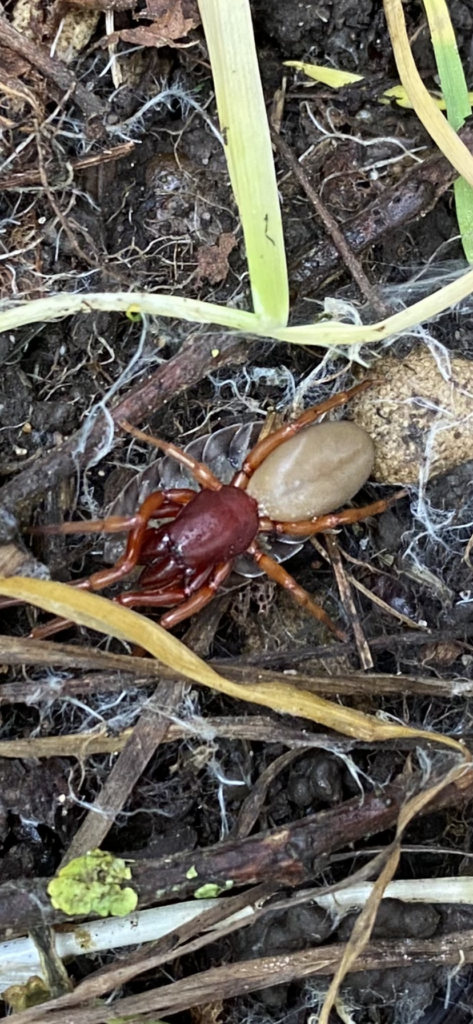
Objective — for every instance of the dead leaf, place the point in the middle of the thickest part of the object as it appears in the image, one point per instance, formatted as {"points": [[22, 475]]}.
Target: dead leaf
{"points": [[209, 1013], [172, 20], [35, 20], [212, 260], [173, 15], [77, 28], [144, 35], [442, 653]]}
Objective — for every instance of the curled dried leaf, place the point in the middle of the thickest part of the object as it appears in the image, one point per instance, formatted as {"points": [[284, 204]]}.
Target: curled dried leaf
{"points": [[88, 609]]}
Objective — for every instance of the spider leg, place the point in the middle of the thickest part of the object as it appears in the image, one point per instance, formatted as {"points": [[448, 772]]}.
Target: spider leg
{"points": [[130, 558], [166, 589], [171, 595], [307, 527], [205, 584], [160, 586], [199, 470], [263, 448], [277, 573], [200, 599], [50, 628], [119, 524]]}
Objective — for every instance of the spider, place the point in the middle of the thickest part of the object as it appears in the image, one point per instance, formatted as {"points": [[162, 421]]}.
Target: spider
{"points": [[288, 484]]}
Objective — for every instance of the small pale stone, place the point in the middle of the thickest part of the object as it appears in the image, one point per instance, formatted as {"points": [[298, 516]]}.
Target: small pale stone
{"points": [[417, 418]]}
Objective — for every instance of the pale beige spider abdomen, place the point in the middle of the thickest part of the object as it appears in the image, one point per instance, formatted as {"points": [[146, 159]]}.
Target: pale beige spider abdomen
{"points": [[315, 472]]}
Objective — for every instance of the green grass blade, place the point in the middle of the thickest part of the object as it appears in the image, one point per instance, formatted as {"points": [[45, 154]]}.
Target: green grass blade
{"points": [[454, 88], [244, 125], [445, 137]]}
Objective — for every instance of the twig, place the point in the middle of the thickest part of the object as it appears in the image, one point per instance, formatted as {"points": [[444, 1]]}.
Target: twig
{"points": [[351, 262], [408, 200], [224, 917], [235, 979], [139, 748], [384, 605], [114, 671], [346, 595], [25, 179], [287, 854], [148, 733], [57, 209], [252, 806], [365, 590], [255, 730], [52, 69], [287, 659]]}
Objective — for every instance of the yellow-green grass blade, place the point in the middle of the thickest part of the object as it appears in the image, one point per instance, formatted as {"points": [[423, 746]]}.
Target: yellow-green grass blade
{"points": [[325, 334], [173, 306], [454, 88], [464, 210], [450, 69], [428, 113], [337, 79], [108, 617], [333, 77], [244, 125]]}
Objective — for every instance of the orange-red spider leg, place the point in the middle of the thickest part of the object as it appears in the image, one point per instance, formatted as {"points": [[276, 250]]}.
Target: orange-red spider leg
{"points": [[118, 524], [187, 605], [150, 507], [50, 628], [276, 572], [169, 595], [306, 528], [131, 556], [264, 448], [199, 470], [200, 599], [161, 585]]}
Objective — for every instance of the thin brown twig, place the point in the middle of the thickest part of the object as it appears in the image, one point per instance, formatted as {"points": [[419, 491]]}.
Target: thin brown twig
{"points": [[405, 201], [148, 733], [289, 855], [109, 673], [365, 590], [351, 262], [235, 979], [138, 750], [26, 179], [51, 68], [346, 595]]}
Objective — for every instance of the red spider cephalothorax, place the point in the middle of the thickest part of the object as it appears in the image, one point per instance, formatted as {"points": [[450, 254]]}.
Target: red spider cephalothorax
{"points": [[186, 558]]}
